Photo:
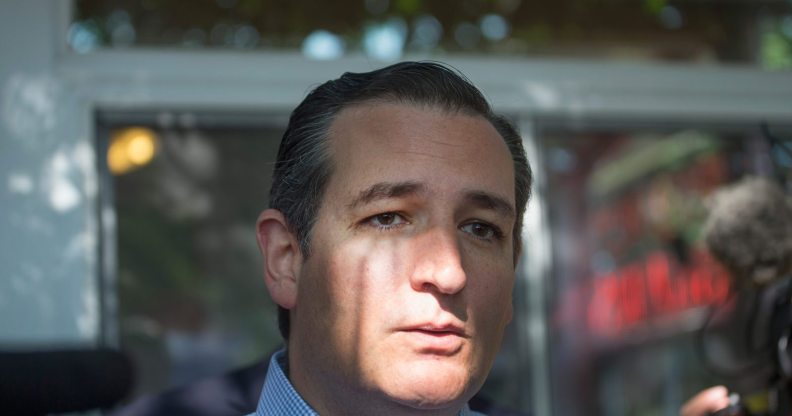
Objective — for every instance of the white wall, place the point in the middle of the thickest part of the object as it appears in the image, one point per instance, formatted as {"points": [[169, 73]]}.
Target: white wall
{"points": [[47, 187]]}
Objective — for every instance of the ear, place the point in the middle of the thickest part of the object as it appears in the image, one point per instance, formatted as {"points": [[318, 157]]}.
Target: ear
{"points": [[282, 257]]}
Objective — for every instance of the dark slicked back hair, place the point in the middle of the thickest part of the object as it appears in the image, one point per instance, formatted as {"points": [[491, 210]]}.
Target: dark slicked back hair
{"points": [[304, 164]]}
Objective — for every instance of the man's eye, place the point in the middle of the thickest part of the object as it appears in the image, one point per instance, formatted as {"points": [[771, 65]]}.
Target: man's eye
{"points": [[482, 231], [386, 220]]}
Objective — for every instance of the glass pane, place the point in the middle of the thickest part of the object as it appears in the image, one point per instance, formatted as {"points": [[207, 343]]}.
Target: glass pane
{"points": [[192, 302], [632, 280], [750, 31]]}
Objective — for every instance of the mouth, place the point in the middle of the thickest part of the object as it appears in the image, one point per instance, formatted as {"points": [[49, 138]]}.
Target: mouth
{"points": [[439, 330], [436, 339]]}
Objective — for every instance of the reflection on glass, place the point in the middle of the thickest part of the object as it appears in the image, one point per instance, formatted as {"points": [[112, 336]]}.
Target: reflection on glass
{"points": [[386, 41], [643, 30], [191, 298], [427, 31], [670, 17], [323, 45], [494, 27], [631, 279], [122, 33], [467, 35], [83, 37], [131, 148]]}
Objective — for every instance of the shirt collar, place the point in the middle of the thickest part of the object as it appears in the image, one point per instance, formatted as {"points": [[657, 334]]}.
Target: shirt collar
{"points": [[278, 396]]}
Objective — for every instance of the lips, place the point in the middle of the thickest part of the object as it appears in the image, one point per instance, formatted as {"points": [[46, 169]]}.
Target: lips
{"points": [[435, 339], [439, 329]]}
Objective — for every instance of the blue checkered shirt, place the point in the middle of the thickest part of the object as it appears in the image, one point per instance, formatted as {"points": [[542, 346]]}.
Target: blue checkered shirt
{"points": [[278, 397]]}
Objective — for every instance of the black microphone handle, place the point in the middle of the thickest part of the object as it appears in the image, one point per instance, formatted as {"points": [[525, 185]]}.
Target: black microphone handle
{"points": [[42, 382]]}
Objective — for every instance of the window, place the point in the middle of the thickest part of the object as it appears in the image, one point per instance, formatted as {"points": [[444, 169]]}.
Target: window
{"points": [[632, 281], [188, 282]]}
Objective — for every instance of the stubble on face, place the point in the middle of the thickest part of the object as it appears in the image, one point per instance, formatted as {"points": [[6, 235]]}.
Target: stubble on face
{"points": [[403, 302]]}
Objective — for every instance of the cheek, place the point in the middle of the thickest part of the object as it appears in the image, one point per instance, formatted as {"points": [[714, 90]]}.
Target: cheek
{"points": [[362, 277], [491, 292], [499, 305], [497, 313]]}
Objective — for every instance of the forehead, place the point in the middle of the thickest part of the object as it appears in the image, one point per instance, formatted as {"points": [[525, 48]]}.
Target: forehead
{"points": [[374, 142]]}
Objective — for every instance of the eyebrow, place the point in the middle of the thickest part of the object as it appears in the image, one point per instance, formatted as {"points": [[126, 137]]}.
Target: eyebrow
{"points": [[387, 190], [487, 200]]}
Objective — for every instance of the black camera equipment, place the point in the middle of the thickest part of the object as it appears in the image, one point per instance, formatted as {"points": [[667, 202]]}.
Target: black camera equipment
{"points": [[38, 383]]}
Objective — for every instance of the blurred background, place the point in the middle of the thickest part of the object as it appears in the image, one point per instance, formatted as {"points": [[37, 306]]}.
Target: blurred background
{"points": [[137, 139]]}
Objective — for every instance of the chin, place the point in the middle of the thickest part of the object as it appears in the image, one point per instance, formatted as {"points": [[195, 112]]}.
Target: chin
{"points": [[431, 384]]}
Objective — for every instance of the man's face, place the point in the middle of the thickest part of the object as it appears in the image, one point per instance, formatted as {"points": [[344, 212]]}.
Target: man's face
{"points": [[407, 291]]}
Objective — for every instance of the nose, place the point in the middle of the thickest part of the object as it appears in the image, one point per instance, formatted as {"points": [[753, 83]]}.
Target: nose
{"points": [[438, 266]]}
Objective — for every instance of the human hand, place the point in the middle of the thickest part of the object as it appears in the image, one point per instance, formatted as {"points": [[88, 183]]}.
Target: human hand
{"points": [[706, 402]]}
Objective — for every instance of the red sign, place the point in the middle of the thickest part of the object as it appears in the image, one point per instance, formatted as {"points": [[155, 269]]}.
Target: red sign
{"points": [[657, 287]]}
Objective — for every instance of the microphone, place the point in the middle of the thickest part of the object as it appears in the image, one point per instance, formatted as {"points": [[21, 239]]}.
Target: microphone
{"points": [[62, 381], [749, 230]]}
